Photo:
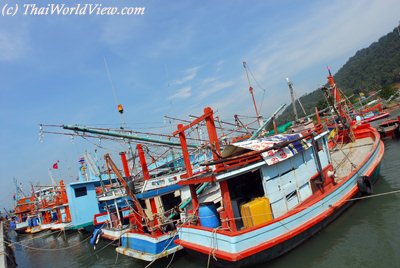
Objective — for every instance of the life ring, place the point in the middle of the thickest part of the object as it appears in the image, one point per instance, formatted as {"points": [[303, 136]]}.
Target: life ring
{"points": [[94, 240], [364, 185]]}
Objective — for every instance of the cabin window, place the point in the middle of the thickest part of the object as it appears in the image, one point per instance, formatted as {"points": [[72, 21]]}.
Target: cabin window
{"points": [[81, 191], [246, 186], [143, 203], [170, 201], [243, 189]]}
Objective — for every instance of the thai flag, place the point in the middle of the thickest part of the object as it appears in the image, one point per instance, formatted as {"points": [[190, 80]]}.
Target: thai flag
{"points": [[55, 165], [81, 160]]}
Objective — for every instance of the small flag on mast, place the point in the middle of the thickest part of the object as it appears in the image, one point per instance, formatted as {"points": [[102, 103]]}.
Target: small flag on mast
{"points": [[55, 165]]}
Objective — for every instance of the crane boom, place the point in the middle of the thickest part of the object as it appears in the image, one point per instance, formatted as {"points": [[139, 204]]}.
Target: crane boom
{"points": [[110, 164]]}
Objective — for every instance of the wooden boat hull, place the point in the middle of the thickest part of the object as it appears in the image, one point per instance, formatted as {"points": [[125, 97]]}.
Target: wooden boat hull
{"points": [[282, 248], [21, 227], [268, 241], [389, 129], [374, 118], [146, 247], [62, 226], [112, 234], [391, 133], [21, 230]]}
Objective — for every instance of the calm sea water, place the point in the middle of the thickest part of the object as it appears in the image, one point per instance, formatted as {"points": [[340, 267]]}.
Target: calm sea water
{"points": [[366, 235]]}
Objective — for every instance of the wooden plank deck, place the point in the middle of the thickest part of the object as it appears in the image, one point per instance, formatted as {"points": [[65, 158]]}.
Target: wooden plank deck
{"points": [[350, 156]]}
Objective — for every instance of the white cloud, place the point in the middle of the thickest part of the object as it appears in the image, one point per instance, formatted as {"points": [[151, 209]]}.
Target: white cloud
{"points": [[189, 75], [215, 87], [182, 93], [208, 80], [219, 65]]}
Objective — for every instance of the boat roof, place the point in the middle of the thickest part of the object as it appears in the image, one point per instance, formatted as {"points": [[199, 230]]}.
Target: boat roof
{"points": [[158, 192], [271, 157], [111, 197]]}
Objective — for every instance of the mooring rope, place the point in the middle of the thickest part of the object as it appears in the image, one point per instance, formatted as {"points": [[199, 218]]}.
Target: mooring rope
{"points": [[34, 237], [50, 249], [112, 241], [373, 195]]}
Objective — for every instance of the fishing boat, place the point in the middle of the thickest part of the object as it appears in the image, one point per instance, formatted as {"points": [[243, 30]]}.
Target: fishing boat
{"points": [[51, 209], [157, 205], [83, 195], [113, 220], [371, 114], [148, 237], [42, 217], [61, 215], [277, 191], [389, 128], [22, 211]]}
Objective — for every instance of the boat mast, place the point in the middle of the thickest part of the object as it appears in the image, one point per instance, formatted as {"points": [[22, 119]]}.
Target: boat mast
{"points": [[53, 182], [259, 117], [290, 84], [272, 117], [338, 107], [77, 128]]}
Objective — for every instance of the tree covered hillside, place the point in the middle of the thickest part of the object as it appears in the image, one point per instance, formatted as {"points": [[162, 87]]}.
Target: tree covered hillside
{"points": [[370, 69]]}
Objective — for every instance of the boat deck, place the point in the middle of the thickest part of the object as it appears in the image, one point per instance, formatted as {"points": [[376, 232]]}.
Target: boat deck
{"points": [[350, 156]]}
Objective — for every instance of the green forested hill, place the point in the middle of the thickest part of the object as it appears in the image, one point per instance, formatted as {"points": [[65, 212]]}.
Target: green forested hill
{"points": [[370, 69]]}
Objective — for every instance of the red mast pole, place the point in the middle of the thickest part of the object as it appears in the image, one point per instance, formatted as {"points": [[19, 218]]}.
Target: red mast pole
{"points": [[214, 143], [188, 166], [213, 136], [252, 95], [146, 176], [125, 164]]}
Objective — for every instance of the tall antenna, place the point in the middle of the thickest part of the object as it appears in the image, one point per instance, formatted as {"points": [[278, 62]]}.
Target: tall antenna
{"points": [[53, 182], [120, 107], [259, 118]]}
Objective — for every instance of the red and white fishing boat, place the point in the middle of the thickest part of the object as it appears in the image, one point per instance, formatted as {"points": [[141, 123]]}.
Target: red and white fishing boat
{"points": [[372, 114], [61, 213], [390, 128], [22, 211], [277, 191]]}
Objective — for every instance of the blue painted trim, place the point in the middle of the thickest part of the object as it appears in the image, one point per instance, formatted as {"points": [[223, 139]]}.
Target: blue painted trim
{"points": [[142, 245], [157, 192]]}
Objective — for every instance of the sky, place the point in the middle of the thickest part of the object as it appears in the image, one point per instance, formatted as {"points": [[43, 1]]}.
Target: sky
{"points": [[177, 58]]}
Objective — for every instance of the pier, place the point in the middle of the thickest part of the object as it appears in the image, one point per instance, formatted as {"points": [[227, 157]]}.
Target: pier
{"points": [[7, 258]]}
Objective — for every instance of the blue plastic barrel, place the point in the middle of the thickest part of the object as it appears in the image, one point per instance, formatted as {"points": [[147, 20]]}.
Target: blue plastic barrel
{"points": [[35, 221], [208, 215]]}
